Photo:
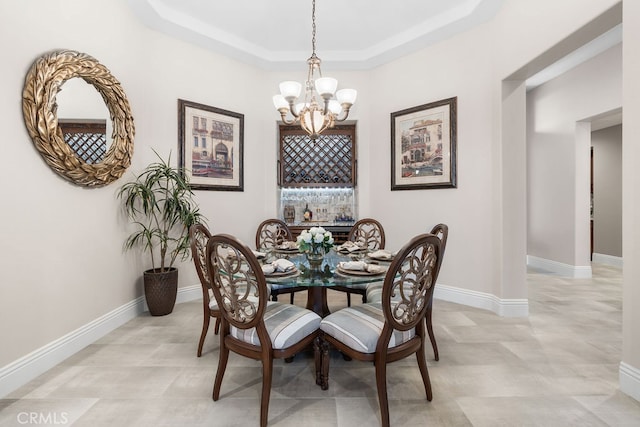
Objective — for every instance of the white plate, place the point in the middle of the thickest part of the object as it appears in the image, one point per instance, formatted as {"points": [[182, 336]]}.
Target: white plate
{"points": [[381, 258], [287, 250], [377, 270], [283, 273], [347, 251]]}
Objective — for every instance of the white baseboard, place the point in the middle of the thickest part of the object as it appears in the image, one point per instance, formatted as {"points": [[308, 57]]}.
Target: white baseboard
{"points": [[185, 294], [23, 370], [567, 270], [630, 380], [502, 307], [188, 293], [616, 261]]}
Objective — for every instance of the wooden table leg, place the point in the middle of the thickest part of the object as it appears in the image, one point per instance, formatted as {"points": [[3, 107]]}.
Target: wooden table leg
{"points": [[317, 300]]}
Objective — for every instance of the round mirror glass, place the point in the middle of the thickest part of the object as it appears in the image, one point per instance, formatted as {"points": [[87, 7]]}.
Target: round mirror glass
{"points": [[84, 120]]}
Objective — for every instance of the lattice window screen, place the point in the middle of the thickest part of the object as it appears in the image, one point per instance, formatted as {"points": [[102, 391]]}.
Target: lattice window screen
{"points": [[329, 161], [87, 139]]}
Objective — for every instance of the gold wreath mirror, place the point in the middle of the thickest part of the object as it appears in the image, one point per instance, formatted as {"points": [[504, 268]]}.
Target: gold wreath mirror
{"points": [[43, 82]]}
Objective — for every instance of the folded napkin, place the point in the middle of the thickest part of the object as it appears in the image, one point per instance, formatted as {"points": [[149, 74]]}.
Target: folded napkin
{"points": [[287, 244], [350, 247], [283, 265], [268, 269], [353, 265], [361, 266], [259, 254], [381, 254], [279, 265]]}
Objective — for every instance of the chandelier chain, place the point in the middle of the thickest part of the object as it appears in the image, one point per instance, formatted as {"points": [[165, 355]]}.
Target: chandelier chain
{"points": [[313, 28], [320, 110]]}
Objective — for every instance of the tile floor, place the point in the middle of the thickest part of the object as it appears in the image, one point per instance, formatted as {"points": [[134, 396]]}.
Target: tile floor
{"points": [[559, 367]]}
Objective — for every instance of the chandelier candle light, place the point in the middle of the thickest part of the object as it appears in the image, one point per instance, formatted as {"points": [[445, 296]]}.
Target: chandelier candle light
{"points": [[314, 115]]}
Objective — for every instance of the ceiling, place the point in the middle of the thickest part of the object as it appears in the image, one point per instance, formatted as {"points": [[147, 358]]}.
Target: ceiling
{"points": [[350, 34]]}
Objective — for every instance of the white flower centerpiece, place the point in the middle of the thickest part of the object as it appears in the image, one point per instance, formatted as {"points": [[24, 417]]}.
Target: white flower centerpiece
{"points": [[315, 243]]}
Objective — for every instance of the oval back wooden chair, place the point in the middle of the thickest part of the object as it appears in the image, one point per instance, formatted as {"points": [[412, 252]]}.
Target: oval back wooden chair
{"points": [[370, 234], [442, 232], [270, 233], [394, 328], [374, 290], [253, 326], [199, 236]]}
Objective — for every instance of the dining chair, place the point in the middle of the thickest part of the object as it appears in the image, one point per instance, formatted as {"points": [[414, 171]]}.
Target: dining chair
{"points": [[253, 326], [392, 329], [369, 233], [199, 236], [374, 290], [271, 233], [442, 232]]}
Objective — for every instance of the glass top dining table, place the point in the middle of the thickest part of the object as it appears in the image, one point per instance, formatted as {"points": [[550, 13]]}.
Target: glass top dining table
{"points": [[319, 279]]}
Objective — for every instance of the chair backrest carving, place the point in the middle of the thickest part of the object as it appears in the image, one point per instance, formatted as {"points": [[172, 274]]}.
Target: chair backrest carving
{"points": [[369, 233], [238, 282], [271, 233], [199, 236], [442, 231], [410, 281]]}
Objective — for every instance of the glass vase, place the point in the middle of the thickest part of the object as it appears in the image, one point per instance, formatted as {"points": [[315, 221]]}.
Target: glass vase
{"points": [[315, 257]]}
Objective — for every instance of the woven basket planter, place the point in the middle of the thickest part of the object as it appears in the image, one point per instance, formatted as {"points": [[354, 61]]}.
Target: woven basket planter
{"points": [[160, 290]]}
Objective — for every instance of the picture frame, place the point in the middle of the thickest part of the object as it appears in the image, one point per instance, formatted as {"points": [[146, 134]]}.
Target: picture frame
{"points": [[211, 146], [423, 146]]}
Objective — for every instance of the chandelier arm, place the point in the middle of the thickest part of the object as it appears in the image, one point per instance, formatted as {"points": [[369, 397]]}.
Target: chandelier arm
{"points": [[325, 110], [283, 115], [292, 110], [332, 121], [345, 113]]}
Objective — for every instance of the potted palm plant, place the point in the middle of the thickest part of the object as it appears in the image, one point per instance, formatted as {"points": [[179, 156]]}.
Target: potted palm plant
{"points": [[160, 203]]}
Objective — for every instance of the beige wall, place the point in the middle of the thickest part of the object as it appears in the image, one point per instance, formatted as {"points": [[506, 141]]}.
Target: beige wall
{"points": [[62, 258], [554, 143], [631, 190], [607, 191], [63, 243]]}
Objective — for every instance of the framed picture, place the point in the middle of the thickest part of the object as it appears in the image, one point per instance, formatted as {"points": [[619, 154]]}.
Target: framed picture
{"points": [[211, 146], [423, 146]]}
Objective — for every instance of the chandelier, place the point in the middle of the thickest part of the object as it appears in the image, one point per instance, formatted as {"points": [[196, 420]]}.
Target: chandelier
{"points": [[320, 110]]}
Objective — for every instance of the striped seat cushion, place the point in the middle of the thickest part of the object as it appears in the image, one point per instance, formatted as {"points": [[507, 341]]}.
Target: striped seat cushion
{"points": [[359, 327], [286, 325], [358, 286], [374, 292]]}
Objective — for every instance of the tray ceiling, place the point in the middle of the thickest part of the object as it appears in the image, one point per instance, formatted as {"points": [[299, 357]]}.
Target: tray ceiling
{"points": [[276, 34]]}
